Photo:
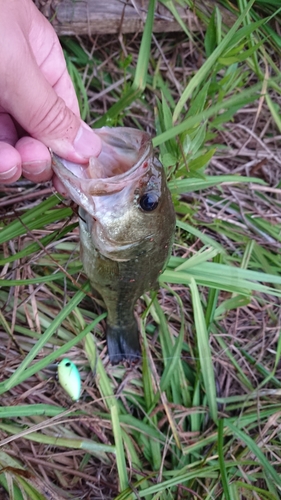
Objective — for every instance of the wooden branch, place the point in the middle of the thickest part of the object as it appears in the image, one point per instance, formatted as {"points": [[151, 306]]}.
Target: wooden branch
{"points": [[90, 17]]}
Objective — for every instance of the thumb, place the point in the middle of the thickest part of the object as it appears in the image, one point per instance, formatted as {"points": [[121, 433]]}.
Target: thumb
{"points": [[34, 104], [54, 124]]}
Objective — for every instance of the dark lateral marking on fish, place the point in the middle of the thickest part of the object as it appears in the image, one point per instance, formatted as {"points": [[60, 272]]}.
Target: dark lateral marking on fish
{"points": [[80, 217]]}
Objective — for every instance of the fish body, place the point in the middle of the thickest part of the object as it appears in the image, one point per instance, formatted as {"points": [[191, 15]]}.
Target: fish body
{"points": [[127, 223]]}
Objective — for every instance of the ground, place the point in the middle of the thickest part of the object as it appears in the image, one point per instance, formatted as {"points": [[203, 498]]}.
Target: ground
{"points": [[199, 415]]}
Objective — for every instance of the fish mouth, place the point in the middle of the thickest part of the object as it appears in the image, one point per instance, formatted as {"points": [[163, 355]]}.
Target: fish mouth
{"points": [[114, 250], [110, 247], [124, 158]]}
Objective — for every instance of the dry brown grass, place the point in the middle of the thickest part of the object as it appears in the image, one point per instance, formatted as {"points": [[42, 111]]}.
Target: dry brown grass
{"points": [[249, 145]]}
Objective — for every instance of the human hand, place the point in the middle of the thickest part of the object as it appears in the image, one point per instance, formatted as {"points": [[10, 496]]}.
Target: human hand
{"points": [[38, 105]]}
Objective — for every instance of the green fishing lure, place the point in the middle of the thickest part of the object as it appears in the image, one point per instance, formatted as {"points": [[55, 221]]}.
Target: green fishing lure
{"points": [[69, 378]]}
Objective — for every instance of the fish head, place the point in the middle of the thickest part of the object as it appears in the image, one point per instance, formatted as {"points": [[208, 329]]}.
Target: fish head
{"points": [[125, 204]]}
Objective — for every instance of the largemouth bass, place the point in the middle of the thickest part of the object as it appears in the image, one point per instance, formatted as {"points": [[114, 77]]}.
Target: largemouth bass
{"points": [[127, 222]]}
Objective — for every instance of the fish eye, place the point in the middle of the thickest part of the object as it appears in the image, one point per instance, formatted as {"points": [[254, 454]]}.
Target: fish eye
{"points": [[149, 201]]}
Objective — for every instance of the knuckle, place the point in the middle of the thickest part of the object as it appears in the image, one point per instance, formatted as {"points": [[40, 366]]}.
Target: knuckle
{"points": [[55, 121]]}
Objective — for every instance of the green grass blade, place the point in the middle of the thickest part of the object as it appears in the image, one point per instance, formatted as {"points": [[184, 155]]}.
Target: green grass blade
{"points": [[144, 52], [224, 478], [255, 449], [149, 397], [207, 66], [140, 78], [13, 380], [47, 360], [237, 101], [34, 218], [112, 404], [71, 442], [205, 356]]}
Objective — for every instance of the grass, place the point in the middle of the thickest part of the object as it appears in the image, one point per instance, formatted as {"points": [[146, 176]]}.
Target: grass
{"points": [[199, 416]]}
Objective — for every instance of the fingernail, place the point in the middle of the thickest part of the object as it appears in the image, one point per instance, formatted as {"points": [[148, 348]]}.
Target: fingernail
{"points": [[35, 167], [86, 142], [8, 174]]}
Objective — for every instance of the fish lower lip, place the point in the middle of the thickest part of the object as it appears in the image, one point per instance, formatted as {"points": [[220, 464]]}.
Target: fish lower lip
{"points": [[127, 244]]}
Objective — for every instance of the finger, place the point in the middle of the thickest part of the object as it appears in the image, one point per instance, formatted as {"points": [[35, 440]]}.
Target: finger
{"points": [[10, 163], [31, 100], [49, 56], [59, 187], [35, 159], [64, 89], [8, 132]]}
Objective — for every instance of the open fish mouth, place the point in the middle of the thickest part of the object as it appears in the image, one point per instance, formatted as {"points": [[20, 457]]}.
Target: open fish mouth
{"points": [[124, 158]]}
